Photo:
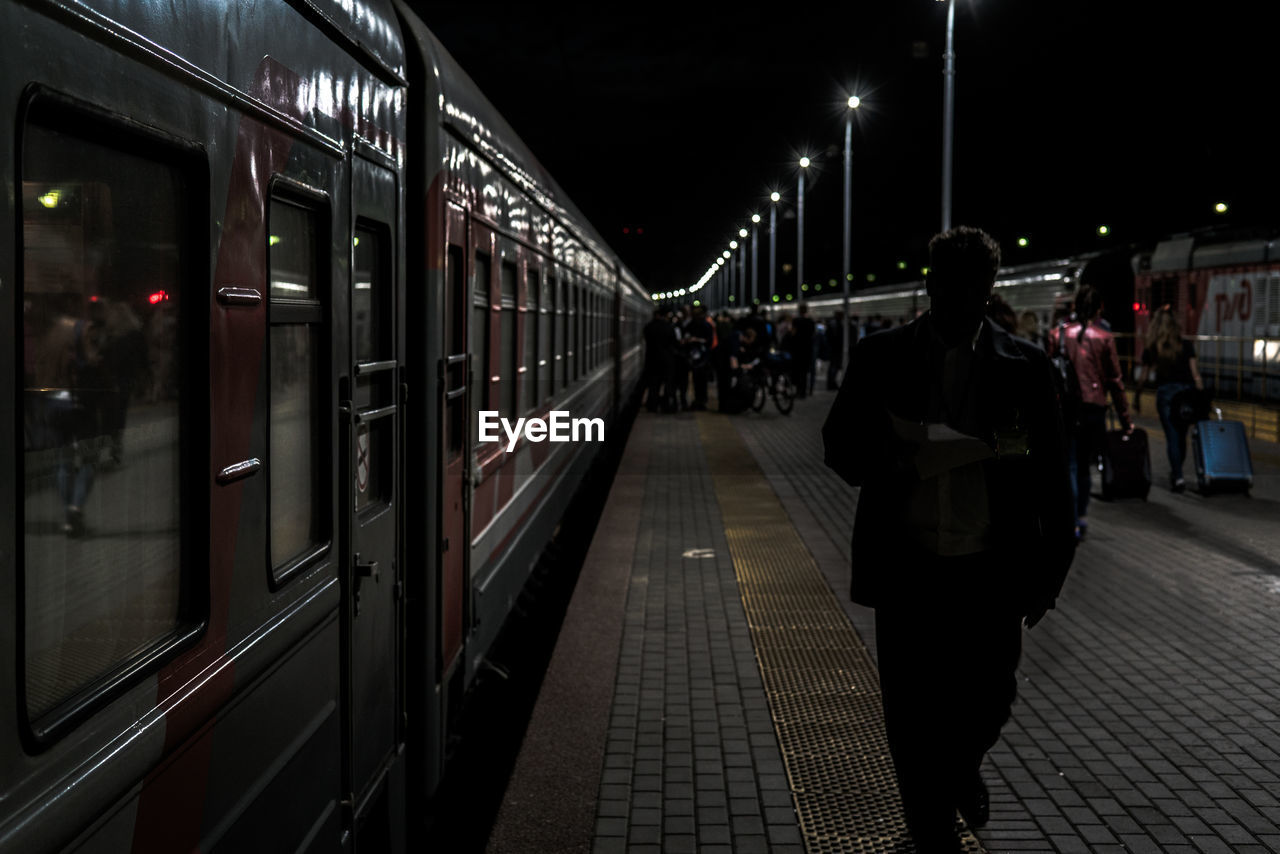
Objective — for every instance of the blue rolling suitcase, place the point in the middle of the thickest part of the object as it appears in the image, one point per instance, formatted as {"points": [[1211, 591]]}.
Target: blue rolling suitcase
{"points": [[1221, 455]]}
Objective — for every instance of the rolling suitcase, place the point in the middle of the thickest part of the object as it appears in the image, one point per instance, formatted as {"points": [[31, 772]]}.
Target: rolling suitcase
{"points": [[1222, 455], [1126, 465]]}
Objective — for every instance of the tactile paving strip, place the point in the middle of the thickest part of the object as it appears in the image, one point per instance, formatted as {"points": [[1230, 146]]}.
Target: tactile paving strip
{"points": [[824, 692]]}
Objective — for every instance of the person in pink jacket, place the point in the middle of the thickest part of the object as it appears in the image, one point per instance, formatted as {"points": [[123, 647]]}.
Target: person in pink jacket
{"points": [[1092, 351]]}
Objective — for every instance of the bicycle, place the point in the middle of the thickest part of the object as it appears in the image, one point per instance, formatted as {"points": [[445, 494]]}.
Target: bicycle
{"points": [[773, 380]]}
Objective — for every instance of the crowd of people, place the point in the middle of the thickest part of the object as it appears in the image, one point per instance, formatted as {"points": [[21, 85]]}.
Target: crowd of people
{"points": [[686, 348]]}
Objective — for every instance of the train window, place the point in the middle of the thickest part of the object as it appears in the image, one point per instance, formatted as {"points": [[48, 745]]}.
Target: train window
{"points": [[509, 355], [529, 384], [480, 336], [453, 346], [108, 250], [575, 343], [556, 338], [371, 295], [578, 347], [373, 339], [296, 449], [545, 309]]}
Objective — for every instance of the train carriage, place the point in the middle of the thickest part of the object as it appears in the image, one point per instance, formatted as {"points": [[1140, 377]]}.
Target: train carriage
{"points": [[1225, 291], [265, 263]]}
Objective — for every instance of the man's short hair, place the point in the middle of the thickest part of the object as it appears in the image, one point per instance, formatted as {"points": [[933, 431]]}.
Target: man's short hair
{"points": [[965, 254]]}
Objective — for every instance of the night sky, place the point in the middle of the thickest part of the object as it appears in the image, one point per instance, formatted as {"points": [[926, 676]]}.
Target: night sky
{"points": [[1068, 116]]}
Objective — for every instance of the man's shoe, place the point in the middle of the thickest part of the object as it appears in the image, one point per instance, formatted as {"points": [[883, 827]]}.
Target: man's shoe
{"points": [[975, 803]]}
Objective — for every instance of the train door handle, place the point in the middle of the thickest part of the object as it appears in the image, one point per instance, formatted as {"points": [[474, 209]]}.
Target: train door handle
{"points": [[366, 569], [363, 569]]}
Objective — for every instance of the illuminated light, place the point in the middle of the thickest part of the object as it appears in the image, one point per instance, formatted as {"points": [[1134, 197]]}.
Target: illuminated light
{"points": [[902, 265], [50, 199], [1022, 241], [831, 283], [871, 277], [355, 241], [817, 287], [719, 262], [804, 162], [755, 217], [1137, 306], [1103, 231], [848, 277], [273, 240], [790, 297], [733, 244], [757, 301], [94, 298], [730, 297], [1220, 207], [725, 255], [697, 302], [157, 297], [924, 271], [776, 297], [775, 196], [804, 287], [854, 101], [742, 232], [639, 231], [626, 230]]}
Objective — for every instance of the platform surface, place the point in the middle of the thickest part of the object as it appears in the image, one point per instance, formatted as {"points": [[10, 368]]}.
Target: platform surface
{"points": [[1147, 713]]}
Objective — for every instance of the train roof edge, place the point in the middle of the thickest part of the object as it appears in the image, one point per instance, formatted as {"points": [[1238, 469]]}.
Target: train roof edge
{"points": [[465, 107]]}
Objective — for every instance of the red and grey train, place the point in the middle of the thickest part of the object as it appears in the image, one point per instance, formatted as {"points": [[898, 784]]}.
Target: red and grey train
{"points": [[261, 265], [1223, 285]]}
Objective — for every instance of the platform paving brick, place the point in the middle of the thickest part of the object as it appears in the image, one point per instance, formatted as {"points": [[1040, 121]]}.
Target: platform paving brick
{"points": [[1147, 718], [692, 762]]}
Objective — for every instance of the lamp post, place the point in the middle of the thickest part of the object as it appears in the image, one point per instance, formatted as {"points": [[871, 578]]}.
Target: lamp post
{"points": [[735, 281], [948, 111], [742, 268], [727, 267], [755, 256], [774, 197], [854, 102], [804, 164]]}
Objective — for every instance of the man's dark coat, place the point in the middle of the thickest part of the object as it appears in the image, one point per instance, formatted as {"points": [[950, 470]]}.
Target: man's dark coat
{"points": [[1030, 494]]}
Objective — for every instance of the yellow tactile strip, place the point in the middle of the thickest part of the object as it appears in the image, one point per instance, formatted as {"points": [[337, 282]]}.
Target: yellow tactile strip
{"points": [[823, 689]]}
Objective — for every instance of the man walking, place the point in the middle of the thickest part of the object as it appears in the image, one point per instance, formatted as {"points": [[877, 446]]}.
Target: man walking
{"points": [[964, 527]]}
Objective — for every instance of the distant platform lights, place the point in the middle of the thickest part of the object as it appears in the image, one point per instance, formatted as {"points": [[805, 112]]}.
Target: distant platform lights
{"points": [[1220, 207]]}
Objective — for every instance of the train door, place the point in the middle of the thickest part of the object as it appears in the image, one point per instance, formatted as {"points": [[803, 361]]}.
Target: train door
{"points": [[371, 622], [455, 538]]}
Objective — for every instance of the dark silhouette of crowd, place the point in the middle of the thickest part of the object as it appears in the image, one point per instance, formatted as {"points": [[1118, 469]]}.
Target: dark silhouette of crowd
{"points": [[687, 347]]}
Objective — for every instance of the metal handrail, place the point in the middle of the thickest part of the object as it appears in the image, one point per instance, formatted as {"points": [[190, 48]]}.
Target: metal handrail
{"points": [[1255, 367]]}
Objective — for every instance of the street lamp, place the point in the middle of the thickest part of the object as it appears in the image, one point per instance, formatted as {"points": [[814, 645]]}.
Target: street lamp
{"points": [[733, 277], [948, 111], [804, 164], [854, 102], [774, 197], [742, 268], [755, 256]]}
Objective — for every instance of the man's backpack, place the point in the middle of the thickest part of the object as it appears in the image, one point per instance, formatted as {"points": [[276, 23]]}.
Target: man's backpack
{"points": [[1066, 382]]}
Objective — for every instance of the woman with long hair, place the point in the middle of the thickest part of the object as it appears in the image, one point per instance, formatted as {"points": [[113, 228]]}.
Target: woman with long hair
{"points": [[1092, 351], [1172, 360]]}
